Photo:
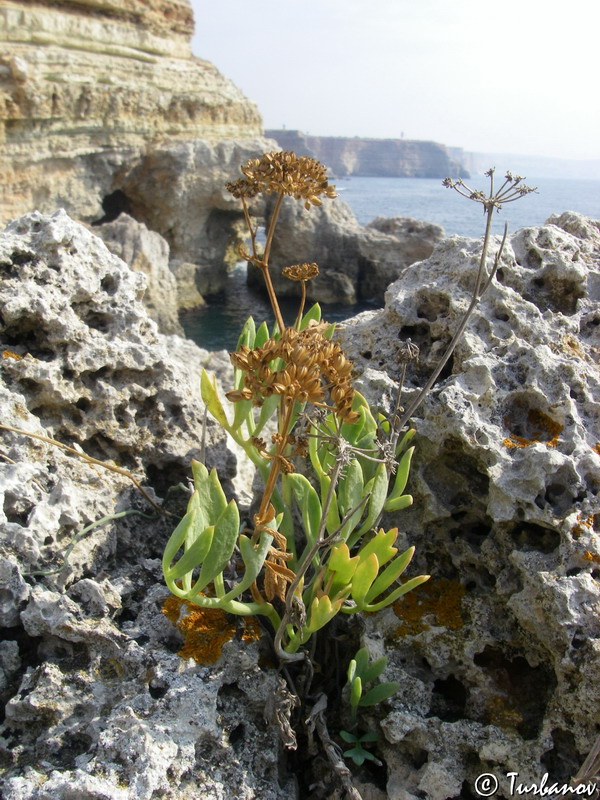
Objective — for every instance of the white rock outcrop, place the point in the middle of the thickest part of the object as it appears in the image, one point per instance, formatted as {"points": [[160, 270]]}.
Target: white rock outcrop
{"points": [[497, 656]]}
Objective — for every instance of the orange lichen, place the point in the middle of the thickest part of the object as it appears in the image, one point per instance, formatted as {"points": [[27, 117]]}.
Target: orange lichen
{"points": [[11, 354], [596, 448], [544, 430], [583, 524], [440, 599], [205, 630], [589, 556]]}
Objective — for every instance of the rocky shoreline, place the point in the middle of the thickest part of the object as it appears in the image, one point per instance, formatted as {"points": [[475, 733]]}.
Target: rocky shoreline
{"points": [[498, 659], [124, 142]]}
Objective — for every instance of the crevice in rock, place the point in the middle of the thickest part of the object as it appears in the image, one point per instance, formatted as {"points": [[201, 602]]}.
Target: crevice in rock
{"points": [[529, 536], [516, 693], [113, 205], [563, 760], [448, 699]]}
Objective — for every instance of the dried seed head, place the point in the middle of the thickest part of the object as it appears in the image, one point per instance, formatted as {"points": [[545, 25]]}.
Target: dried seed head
{"points": [[314, 369], [301, 272], [301, 177]]}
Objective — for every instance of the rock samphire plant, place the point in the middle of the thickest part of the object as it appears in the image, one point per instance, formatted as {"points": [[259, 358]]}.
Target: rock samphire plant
{"points": [[314, 548], [330, 465]]}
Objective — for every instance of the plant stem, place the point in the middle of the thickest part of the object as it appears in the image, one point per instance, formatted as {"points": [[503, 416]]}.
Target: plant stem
{"points": [[489, 208]]}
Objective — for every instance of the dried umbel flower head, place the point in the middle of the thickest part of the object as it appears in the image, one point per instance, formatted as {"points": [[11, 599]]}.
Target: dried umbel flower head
{"points": [[511, 189], [301, 177], [301, 272], [314, 370]]}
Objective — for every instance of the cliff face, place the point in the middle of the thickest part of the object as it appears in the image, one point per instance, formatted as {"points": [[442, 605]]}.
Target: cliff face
{"points": [[391, 158], [87, 86]]}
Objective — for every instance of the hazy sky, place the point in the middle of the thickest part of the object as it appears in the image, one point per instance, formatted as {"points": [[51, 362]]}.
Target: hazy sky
{"points": [[512, 76]]}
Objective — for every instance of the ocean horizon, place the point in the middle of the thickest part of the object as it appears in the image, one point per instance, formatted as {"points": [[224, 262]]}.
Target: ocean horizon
{"points": [[428, 200]]}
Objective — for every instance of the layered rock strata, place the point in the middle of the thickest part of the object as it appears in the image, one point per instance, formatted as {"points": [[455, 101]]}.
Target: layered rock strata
{"points": [[380, 158], [96, 96]]}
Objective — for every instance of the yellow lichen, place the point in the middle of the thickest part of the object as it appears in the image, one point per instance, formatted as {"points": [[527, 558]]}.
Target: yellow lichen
{"points": [[205, 630], [440, 599], [544, 430], [589, 556], [583, 524]]}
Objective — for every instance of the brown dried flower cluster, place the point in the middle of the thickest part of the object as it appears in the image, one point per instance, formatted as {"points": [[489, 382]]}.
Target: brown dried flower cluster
{"points": [[315, 370], [301, 272], [301, 177]]}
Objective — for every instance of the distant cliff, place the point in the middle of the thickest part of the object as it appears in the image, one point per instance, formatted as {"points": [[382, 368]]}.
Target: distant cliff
{"points": [[391, 158]]}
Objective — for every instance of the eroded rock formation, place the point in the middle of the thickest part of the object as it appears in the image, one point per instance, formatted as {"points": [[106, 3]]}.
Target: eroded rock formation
{"points": [[104, 110], [498, 656]]}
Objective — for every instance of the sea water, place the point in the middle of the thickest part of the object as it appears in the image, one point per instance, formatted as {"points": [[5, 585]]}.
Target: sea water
{"points": [[217, 326], [428, 199]]}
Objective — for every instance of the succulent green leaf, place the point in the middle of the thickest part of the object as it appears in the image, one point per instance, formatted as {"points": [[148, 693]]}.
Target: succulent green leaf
{"points": [[379, 693], [404, 442], [322, 610], [177, 538], [211, 501], [351, 671], [262, 334], [362, 660], [247, 335], [223, 545], [310, 505], [313, 314], [365, 574], [369, 736], [401, 590], [208, 390], [333, 515], [355, 691], [242, 410], [357, 754], [399, 503], [374, 670], [253, 561], [350, 493], [342, 566], [378, 490], [391, 573], [382, 545], [401, 474], [266, 412], [348, 737], [193, 556]]}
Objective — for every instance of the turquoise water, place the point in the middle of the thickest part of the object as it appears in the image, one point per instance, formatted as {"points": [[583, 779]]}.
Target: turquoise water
{"points": [[217, 327]]}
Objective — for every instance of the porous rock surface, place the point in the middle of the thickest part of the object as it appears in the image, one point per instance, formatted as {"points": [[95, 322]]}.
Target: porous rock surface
{"points": [[98, 703], [146, 251], [498, 655]]}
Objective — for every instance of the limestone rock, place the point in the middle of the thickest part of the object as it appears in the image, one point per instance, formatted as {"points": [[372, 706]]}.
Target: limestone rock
{"points": [[146, 251], [496, 653], [355, 261], [98, 703], [86, 89]]}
